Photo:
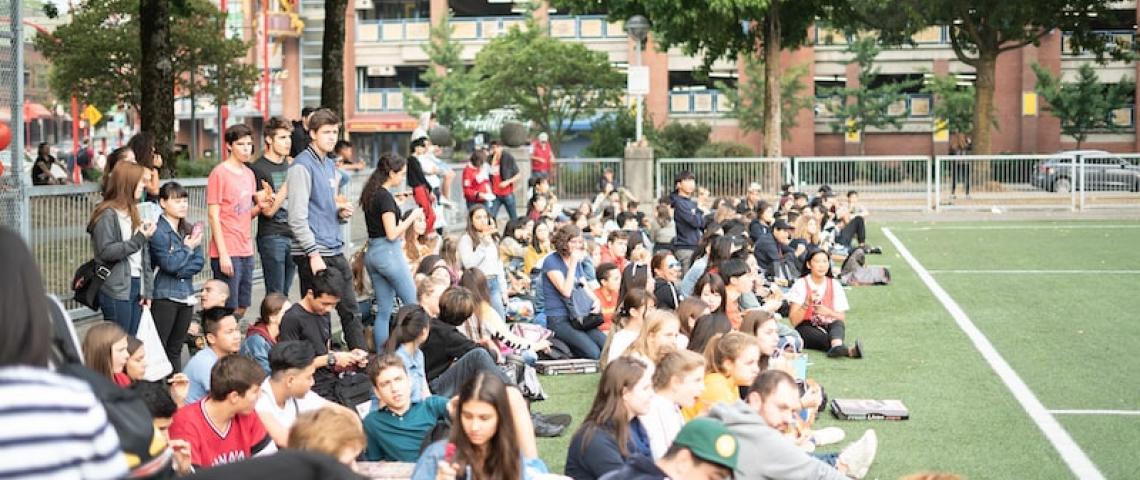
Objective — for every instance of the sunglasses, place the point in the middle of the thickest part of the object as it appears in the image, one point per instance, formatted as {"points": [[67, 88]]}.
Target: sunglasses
{"points": [[673, 265]]}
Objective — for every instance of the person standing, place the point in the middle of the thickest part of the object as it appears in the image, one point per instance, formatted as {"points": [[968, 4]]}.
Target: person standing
{"points": [[542, 157], [232, 201], [120, 242], [504, 175], [688, 218], [417, 181], [299, 139], [273, 234], [315, 217]]}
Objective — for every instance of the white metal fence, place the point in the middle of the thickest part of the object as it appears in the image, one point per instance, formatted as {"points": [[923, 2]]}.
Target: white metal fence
{"points": [[887, 182], [577, 178], [1111, 181], [725, 176], [1005, 181]]}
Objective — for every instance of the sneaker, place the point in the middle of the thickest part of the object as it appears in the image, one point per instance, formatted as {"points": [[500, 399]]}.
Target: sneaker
{"points": [[874, 250], [858, 456], [838, 351], [857, 350], [828, 436], [560, 419], [546, 430]]}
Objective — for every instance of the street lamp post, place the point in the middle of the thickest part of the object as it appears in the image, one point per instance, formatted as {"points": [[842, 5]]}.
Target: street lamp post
{"points": [[637, 27]]}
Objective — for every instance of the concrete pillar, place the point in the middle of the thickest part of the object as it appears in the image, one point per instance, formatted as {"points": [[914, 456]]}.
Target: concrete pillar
{"points": [[638, 173]]}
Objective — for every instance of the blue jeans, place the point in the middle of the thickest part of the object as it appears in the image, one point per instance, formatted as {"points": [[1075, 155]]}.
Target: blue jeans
{"points": [[828, 458], [391, 277], [505, 201], [277, 266], [496, 290], [125, 313], [241, 284], [467, 366], [584, 344]]}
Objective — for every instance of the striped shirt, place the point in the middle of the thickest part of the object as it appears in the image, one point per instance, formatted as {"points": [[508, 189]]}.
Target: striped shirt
{"points": [[54, 428]]}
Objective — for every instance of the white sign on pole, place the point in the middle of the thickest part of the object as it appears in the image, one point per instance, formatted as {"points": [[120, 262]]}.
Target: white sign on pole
{"points": [[638, 80]]}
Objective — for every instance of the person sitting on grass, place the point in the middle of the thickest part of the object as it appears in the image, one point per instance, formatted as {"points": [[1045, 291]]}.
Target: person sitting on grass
{"points": [[223, 339], [609, 286], [677, 382], [628, 324], [450, 357], [666, 274], [612, 433], [222, 428], [660, 334], [491, 437], [759, 422], [818, 308], [396, 431], [732, 361], [162, 408], [703, 450], [287, 392]]}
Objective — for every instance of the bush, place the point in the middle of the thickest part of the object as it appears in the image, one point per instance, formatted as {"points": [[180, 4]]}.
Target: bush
{"points": [[185, 168], [724, 150], [609, 134], [679, 140]]}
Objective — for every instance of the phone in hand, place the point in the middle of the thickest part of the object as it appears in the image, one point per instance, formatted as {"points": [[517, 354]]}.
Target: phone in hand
{"points": [[197, 229]]}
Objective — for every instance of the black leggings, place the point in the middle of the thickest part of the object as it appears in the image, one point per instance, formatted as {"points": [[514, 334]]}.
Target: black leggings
{"points": [[855, 229], [819, 338], [172, 319]]}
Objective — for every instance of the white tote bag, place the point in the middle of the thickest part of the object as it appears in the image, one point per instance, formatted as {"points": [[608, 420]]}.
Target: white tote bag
{"points": [[157, 365]]}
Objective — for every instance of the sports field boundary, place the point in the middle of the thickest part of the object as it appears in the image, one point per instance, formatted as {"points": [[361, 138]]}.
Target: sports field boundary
{"points": [[1037, 272], [1077, 460], [1125, 413]]}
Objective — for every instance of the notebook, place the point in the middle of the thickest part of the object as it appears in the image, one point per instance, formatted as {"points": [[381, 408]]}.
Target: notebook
{"points": [[847, 409]]}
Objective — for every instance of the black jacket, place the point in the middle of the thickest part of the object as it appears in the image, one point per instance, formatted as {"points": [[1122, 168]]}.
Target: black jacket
{"points": [[444, 345], [689, 220], [666, 294], [300, 138]]}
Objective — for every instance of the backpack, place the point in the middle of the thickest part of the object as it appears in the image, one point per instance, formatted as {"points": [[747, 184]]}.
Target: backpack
{"points": [[854, 271], [87, 282], [146, 451]]}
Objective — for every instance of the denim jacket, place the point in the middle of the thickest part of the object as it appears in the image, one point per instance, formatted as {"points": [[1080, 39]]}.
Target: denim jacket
{"points": [[176, 263]]}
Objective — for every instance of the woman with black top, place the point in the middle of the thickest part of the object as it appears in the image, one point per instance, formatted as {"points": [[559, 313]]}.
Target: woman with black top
{"points": [[384, 257], [666, 273], [612, 431]]}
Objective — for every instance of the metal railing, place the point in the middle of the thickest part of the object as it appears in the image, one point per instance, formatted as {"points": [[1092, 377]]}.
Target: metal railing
{"points": [[888, 182], [585, 27], [1109, 181], [725, 176], [577, 178], [1005, 181]]}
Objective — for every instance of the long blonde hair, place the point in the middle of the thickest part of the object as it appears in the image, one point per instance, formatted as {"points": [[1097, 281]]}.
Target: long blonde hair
{"points": [[119, 193], [802, 225], [654, 322]]}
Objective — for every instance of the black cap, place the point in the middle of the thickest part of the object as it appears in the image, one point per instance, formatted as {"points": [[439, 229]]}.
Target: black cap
{"points": [[684, 175], [781, 225]]}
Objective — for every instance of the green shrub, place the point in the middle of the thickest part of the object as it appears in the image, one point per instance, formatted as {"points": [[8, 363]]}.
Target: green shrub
{"points": [[679, 140], [193, 169], [724, 150]]}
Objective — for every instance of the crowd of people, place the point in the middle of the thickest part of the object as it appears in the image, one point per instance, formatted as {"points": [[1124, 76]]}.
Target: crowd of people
{"points": [[698, 314]]}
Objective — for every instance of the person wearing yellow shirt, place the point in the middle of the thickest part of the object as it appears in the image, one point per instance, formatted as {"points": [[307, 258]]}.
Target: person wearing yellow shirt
{"points": [[732, 361]]}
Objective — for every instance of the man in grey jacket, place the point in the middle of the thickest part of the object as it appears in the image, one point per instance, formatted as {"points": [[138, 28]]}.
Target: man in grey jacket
{"points": [[316, 213], [773, 403]]}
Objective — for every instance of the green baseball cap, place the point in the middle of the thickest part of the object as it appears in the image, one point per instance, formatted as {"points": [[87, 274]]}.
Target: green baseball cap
{"points": [[710, 441]]}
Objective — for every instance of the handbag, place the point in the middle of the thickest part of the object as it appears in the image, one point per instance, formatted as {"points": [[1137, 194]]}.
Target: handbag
{"points": [[87, 282], [580, 309], [157, 364]]}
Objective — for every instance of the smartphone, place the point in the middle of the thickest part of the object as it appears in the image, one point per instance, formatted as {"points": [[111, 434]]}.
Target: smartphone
{"points": [[197, 229]]}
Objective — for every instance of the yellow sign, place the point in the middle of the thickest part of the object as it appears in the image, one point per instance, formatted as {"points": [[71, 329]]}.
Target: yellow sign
{"points": [[92, 114], [1029, 104], [941, 132], [852, 135]]}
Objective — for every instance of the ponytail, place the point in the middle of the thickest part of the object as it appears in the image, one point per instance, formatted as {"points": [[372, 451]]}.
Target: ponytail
{"points": [[410, 323], [726, 346]]}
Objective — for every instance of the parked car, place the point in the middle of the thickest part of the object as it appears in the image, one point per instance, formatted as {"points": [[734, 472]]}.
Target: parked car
{"points": [[1103, 171]]}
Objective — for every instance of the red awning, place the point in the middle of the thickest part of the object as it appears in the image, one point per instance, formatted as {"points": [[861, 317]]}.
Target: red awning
{"points": [[35, 111]]}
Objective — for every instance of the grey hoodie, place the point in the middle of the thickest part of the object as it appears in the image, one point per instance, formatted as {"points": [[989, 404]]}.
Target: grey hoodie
{"points": [[765, 453]]}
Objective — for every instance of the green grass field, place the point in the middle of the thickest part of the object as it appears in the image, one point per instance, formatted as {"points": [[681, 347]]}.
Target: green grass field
{"points": [[1039, 293]]}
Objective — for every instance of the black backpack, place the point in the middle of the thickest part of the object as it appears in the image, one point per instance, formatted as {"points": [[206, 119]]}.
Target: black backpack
{"points": [[146, 452], [87, 281]]}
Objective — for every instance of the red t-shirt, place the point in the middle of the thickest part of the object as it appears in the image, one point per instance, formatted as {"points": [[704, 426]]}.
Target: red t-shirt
{"points": [[233, 191], [543, 152], [496, 178], [609, 304], [474, 184], [209, 447]]}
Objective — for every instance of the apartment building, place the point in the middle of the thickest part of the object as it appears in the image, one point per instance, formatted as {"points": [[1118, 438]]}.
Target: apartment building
{"points": [[386, 56]]}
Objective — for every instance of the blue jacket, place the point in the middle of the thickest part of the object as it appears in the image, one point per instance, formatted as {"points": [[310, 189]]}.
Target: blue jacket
{"points": [[689, 220], [176, 263], [313, 215]]}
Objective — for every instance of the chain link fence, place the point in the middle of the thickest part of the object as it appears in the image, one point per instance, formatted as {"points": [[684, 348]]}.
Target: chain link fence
{"points": [[13, 180]]}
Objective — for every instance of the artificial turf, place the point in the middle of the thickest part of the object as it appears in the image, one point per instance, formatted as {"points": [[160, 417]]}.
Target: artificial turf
{"points": [[1068, 335]]}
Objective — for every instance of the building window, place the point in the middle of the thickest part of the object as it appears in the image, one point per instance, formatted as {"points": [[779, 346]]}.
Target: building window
{"points": [[397, 10]]}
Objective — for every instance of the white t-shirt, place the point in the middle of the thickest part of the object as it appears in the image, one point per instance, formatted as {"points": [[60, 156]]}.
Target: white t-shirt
{"points": [[620, 343], [293, 406], [662, 423], [798, 293], [126, 232]]}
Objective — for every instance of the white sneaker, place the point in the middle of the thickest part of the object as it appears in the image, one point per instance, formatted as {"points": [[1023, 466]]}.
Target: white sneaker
{"points": [[828, 436], [858, 456]]}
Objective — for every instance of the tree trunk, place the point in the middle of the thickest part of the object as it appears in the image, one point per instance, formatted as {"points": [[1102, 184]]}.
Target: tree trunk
{"points": [[984, 103], [332, 57], [156, 106], [773, 136]]}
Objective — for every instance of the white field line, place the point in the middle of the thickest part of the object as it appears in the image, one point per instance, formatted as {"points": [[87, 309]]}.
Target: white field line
{"points": [[1040, 272], [1096, 412], [1071, 453], [1065, 226]]}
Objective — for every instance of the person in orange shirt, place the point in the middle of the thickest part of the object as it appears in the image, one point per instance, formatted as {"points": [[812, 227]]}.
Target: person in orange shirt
{"points": [[609, 281], [732, 361], [615, 249]]}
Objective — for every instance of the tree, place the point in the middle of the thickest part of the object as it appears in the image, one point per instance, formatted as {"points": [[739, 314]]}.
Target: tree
{"points": [[980, 30], [866, 106], [98, 57], [450, 84], [953, 108], [609, 134], [549, 82], [747, 99], [1085, 105], [156, 102], [728, 29], [332, 57]]}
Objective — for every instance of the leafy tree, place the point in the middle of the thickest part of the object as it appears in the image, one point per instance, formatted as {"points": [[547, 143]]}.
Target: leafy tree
{"points": [[980, 30], [866, 105], [680, 140], [332, 57], [1085, 105], [609, 134], [728, 29], [747, 99], [549, 82], [953, 107], [450, 84]]}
